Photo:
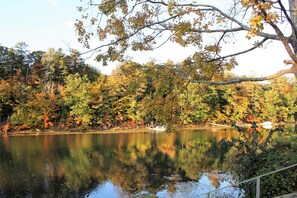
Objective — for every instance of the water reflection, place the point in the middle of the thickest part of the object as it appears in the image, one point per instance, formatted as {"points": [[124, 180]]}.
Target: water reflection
{"points": [[118, 165]]}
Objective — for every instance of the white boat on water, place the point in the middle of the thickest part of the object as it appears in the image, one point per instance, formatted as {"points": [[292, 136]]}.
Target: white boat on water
{"points": [[267, 125], [158, 128]]}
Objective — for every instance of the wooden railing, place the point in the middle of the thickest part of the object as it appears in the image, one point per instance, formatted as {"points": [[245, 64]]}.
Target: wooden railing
{"points": [[258, 180]]}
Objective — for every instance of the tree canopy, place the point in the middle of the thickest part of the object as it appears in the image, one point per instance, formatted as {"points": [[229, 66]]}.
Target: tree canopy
{"points": [[60, 91], [143, 25]]}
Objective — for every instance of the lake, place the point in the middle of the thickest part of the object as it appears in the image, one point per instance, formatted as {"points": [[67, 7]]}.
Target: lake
{"points": [[186, 164]]}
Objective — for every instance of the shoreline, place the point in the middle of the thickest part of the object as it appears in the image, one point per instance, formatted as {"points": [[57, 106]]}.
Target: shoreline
{"points": [[117, 130], [74, 131]]}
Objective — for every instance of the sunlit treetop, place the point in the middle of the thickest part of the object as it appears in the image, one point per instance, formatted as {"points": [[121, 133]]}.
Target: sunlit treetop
{"points": [[143, 25]]}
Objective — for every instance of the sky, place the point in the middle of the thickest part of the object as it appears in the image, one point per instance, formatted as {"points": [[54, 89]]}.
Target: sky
{"points": [[44, 24]]}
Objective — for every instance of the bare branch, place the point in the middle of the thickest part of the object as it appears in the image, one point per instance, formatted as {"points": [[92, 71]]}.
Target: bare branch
{"points": [[289, 62], [180, 74], [163, 43], [242, 52], [239, 80], [283, 9]]}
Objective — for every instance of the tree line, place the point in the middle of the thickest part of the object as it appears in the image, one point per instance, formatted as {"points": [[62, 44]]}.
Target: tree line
{"points": [[53, 89]]}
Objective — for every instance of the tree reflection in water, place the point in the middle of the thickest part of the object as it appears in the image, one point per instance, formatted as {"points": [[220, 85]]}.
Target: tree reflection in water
{"points": [[116, 164]]}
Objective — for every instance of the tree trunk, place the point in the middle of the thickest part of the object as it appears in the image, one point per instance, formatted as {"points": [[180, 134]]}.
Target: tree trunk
{"points": [[293, 15]]}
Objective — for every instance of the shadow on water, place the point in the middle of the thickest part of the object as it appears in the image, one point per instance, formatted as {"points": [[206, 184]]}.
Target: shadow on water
{"points": [[187, 164]]}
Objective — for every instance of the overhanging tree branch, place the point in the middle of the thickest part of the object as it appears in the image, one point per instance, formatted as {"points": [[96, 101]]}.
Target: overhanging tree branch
{"points": [[239, 80], [222, 13], [128, 36], [138, 25], [196, 7]]}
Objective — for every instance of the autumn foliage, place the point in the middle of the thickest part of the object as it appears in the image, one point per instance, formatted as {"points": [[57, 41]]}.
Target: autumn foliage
{"points": [[60, 91]]}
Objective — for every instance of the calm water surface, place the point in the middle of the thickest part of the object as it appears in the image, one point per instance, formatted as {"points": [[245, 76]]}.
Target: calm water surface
{"points": [[185, 164]]}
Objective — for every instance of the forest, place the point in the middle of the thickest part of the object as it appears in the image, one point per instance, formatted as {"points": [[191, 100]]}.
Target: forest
{"points": [[58, 90]]}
